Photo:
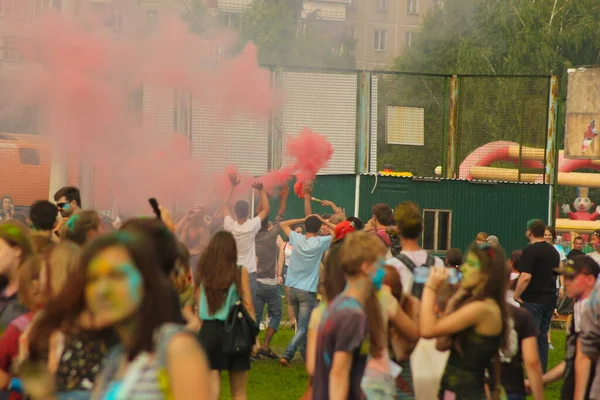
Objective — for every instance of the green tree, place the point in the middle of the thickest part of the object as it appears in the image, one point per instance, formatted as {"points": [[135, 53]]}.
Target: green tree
{"points": [[195, 16], [490, 37], [282, 38]]}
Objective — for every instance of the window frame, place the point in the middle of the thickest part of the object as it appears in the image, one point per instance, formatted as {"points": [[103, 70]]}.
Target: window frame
{"points": [[383, 6], [436, 212], [412, 7], [10, 50], [3, 12], [377, 38]]}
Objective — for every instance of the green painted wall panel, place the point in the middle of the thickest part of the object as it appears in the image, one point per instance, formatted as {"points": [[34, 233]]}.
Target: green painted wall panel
{"points": [[501, 209]]}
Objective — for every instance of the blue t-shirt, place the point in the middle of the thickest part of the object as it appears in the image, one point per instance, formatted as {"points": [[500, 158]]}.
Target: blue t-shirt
{"points": [[303, 271]]}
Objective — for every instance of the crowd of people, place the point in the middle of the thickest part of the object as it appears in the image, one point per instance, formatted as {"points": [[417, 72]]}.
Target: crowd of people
{"points": [[157, 308]]}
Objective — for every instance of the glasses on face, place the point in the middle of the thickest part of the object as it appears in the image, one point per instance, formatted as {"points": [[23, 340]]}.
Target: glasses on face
{"points": [[61, 205]]}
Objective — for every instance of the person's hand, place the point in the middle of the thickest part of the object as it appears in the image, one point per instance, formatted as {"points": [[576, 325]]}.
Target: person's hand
{"points": [[194, 326], [517, 299], [561, 292], [258, 186], [318, 216], [527, 386], [307, 187], [437, 277], [284, 192], [280, 280], [234, 179], [555, 313], [327, 203]]}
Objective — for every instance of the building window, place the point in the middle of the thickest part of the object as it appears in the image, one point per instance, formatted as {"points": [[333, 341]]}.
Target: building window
{"points": [[383, 5], [7, 7], [115, 20], [412, 6], [351, 32], [409, 39], [181, 113], [151, 17], [38, 8], [29, 156], [10, 49], [380, 40], [437, 229], [405, 125], [229, 19]]}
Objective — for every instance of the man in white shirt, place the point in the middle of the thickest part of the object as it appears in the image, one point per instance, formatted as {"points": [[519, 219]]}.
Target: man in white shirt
{"points": [[244, 231], [595, 240], [410, 225]]}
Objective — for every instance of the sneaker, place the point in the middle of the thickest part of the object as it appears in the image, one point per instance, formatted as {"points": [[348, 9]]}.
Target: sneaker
{"points": [[268, 353], [255, 357], [285, 363], [550, 347]]}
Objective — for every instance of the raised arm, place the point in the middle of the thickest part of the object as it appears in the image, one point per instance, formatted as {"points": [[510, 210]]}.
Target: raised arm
{"points": [[284, 192], [264, 205], [235, 181], [334, 207], [326, 223], [307, 188], [286, 226], [430, 326]]}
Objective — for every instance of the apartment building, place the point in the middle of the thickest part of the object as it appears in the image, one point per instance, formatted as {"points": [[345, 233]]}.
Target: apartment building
{"points": [[383, 28]]}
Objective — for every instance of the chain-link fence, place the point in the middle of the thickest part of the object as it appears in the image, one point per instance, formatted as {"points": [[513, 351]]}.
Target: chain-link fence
{"points": [[468, 127], [502, 128], [412, 115]]}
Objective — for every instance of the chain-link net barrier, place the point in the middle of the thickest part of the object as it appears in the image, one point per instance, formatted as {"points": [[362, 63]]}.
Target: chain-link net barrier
{"points": [[502, 128], [412, 112]]}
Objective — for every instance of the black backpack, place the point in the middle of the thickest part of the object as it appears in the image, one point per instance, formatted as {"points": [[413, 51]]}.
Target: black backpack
{"points": [[417, 288]]}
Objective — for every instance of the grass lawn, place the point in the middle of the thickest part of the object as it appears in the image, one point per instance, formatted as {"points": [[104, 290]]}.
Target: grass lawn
{"points": [[268, 380]]}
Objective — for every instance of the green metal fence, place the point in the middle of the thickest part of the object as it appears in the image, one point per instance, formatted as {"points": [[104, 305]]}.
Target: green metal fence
{"points": [[453, 210]]}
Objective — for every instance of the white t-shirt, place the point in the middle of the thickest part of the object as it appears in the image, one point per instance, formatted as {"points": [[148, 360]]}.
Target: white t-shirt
{"points": [[510, 293], [245, 236], [418, 257], [595, 256]]}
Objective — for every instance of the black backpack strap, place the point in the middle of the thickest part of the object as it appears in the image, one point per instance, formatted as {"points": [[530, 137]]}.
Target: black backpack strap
{"points": [[430, 260], [406, 261]]}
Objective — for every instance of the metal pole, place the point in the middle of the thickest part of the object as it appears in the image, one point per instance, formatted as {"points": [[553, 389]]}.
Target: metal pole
{"points": [[363, 122], [552, 148], [59, 174], [452, 136]]}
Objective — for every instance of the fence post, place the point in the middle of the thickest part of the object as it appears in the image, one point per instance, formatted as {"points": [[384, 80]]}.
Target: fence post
{"points": [[552, 148], [363, 123], [452, 137], [59, 174], [276, 124]]}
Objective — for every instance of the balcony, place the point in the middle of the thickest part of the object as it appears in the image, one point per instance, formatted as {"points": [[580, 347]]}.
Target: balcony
{"points": [[234, 5], [325, 10]]}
